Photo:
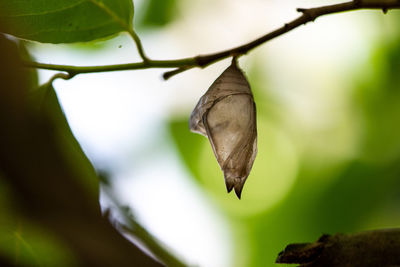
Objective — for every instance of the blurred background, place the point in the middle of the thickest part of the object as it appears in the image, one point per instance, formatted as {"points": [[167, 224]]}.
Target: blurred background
{"points": [[328, 114]]}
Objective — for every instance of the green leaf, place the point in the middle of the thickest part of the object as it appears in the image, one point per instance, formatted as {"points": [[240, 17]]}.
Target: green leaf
{"points": [[65, 21], [51, 181], [45, 101]]}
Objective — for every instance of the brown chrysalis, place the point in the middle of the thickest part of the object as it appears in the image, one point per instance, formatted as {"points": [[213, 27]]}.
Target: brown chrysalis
{"points": [[226, 115]]}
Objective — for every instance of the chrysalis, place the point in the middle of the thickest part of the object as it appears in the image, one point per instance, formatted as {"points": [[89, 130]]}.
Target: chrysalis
{"points": [[226, 114]]}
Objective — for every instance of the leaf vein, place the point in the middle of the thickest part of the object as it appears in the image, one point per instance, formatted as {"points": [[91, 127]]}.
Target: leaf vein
{"points": [[110, 13], [47, 12], [66, 30]]}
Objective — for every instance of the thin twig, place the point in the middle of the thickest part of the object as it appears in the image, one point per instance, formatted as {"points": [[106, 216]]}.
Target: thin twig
{"points": [[202, 61], [75, 70], [60, 75], [171, 73]]}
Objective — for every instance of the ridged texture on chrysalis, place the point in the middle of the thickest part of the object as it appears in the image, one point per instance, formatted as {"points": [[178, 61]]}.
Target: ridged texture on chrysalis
{"points": [[226, 114]]}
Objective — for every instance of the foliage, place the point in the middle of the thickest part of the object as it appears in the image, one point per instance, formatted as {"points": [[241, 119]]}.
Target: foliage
{"points": [[65, 21], [51, 215], [49, 189]]}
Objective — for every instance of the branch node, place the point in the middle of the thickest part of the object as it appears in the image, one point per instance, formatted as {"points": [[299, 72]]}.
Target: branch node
{"points": [[171, 73], [307, 12], [234, 60], [61, 75], [384, 10], [357, 3], [235, 55], [71, 74]]}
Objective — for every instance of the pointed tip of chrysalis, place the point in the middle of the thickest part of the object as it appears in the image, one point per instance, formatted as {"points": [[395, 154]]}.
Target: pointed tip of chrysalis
{"points": [[229, 185], [235, 183], [238, 190]]}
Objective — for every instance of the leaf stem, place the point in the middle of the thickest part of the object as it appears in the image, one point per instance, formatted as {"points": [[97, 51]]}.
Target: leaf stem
{"points": [[202, 61], [127, 27], [139, 45]]}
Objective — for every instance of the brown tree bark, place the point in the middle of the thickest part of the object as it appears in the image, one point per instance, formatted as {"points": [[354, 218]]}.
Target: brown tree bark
{"points": [[372, 248]]}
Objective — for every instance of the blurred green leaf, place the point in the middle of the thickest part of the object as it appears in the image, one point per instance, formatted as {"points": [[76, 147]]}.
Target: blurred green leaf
{"points": [[46, 102], [22, 242], [31, 73], [268, 106], [359, 190], [377, 103], [26, 245], [189, 145], [158, 13], [52, 184], [65, 21]]}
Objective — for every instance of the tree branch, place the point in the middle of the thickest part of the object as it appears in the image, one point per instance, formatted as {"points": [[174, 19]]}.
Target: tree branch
{"points": [[75, 70], [372, 248], [202, 61]]}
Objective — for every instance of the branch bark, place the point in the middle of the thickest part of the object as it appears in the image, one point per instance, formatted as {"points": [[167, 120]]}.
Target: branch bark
{"points": [[202, 61], [366, 249]]}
